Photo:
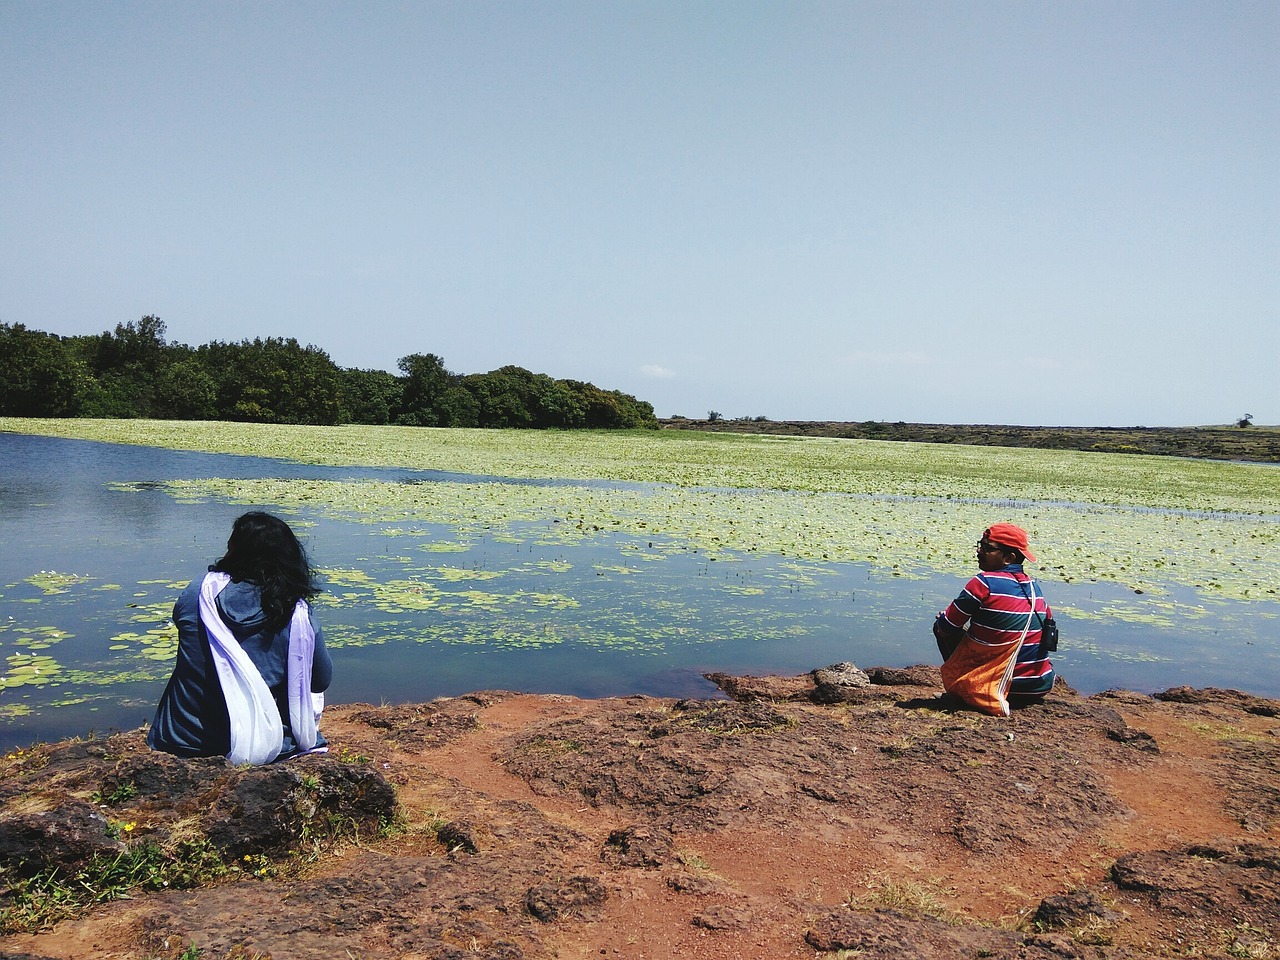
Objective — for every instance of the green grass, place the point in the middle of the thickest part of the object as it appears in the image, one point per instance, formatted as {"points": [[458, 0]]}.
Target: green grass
{"points": [[40, 901]]}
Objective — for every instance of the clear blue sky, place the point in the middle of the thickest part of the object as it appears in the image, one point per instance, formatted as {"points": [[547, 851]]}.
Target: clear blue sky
{"points": [[963, 211]]}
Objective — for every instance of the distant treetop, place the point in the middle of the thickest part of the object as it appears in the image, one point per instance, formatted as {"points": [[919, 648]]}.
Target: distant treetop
{"points": [[133, 372]]}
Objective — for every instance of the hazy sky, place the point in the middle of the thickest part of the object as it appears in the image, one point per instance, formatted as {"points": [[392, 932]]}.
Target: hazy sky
{"points": [[965, 211]]}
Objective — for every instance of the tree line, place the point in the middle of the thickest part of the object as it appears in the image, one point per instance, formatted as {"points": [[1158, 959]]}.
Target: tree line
{"points": [[134, 372]]}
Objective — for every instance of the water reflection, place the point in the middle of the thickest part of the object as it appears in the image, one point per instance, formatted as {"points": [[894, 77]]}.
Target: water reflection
{"points": [[426, 610]]}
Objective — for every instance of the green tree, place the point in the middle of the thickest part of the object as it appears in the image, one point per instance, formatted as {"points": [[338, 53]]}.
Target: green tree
{"points": [[426, 387], [612, 409], [457, 406], [39, 375], [133, 346], [273, 381], [185, 390], [502, 396], [133, 372], [127, 365], [369, 396], [560, 404]]}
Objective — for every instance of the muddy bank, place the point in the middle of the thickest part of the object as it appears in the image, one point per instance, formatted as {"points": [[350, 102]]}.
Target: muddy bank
{"points": [[799, 817]]}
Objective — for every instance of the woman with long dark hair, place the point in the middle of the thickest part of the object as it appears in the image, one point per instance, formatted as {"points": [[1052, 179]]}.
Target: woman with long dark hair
{"points": [[251, 658]]}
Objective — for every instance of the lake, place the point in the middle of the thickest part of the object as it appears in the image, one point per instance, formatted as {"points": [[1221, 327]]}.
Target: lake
{"points": [[99, 538]]}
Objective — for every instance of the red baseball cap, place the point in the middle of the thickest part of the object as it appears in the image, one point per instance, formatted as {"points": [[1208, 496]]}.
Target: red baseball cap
{"points": [[1008, 535]]}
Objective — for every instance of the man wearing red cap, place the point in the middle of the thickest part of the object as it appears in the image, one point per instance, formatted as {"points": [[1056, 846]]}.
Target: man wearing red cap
{"points": [[992, 637]]}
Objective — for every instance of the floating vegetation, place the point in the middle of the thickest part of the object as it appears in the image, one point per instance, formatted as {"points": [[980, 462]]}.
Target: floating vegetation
{"points": [[952, 473], [911, 508], [742, 590], [657, 546], [34, 637], [158, 643], [1118, 654], [403, 596], [458, 574], [51, 582], [1149, 551], [345, 576], [438, 546], [28, 670]]}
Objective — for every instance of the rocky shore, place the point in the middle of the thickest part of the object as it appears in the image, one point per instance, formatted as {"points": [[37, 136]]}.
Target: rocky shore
{"points": [[839, 814]]}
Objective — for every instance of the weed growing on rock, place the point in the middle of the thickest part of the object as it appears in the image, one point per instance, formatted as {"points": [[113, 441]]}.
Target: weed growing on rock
{"points": [[907, 896], [119, 793], [347, 755], [40, 901], [727, 719]]}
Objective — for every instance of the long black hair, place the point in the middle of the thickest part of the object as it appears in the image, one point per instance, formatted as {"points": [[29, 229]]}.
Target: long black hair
{"points": [[264, 550]]}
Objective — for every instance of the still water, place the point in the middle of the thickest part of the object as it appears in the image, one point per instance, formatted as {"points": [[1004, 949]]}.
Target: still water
{"points": [[96, 548]]}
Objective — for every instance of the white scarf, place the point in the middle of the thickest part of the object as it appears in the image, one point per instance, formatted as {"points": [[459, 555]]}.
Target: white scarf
{"points": [[257, 735]]}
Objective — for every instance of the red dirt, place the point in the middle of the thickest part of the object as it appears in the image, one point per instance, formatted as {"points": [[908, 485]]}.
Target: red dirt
{"points": [[770, 827]]}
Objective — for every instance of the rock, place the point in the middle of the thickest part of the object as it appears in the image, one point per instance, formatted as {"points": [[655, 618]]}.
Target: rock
{"points": [[921, 675], [550, 901], [164, 777], [891, 935], [64, 838], [638, 846], [692, 883], [1077, 908], [713, 828], [723, 917], [1232, 698], [841, 675], [267, 809], [1139, 739], [263, 810], [764, 688], [1196, 881], [458, 835], [835, 683]]}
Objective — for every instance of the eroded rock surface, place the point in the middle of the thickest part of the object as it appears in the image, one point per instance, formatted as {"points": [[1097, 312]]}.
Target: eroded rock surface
{"points": [[798, 816]]}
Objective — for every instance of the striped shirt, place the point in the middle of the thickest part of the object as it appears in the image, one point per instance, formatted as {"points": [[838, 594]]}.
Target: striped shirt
{"points": [[995, 606]]}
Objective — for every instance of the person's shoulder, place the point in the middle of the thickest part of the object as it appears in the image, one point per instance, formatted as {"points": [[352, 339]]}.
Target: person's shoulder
{"points": [[188, 601], [193, 588], [995, 581], [1011, 574]]}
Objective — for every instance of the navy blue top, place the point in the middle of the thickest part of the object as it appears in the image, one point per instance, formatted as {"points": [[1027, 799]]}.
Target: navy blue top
{"points": [[191, 719]]}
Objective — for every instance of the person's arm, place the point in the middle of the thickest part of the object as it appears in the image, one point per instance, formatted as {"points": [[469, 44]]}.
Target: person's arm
{"points": [[944, 631], [957, 616], [321, 663], [191, 717]]}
